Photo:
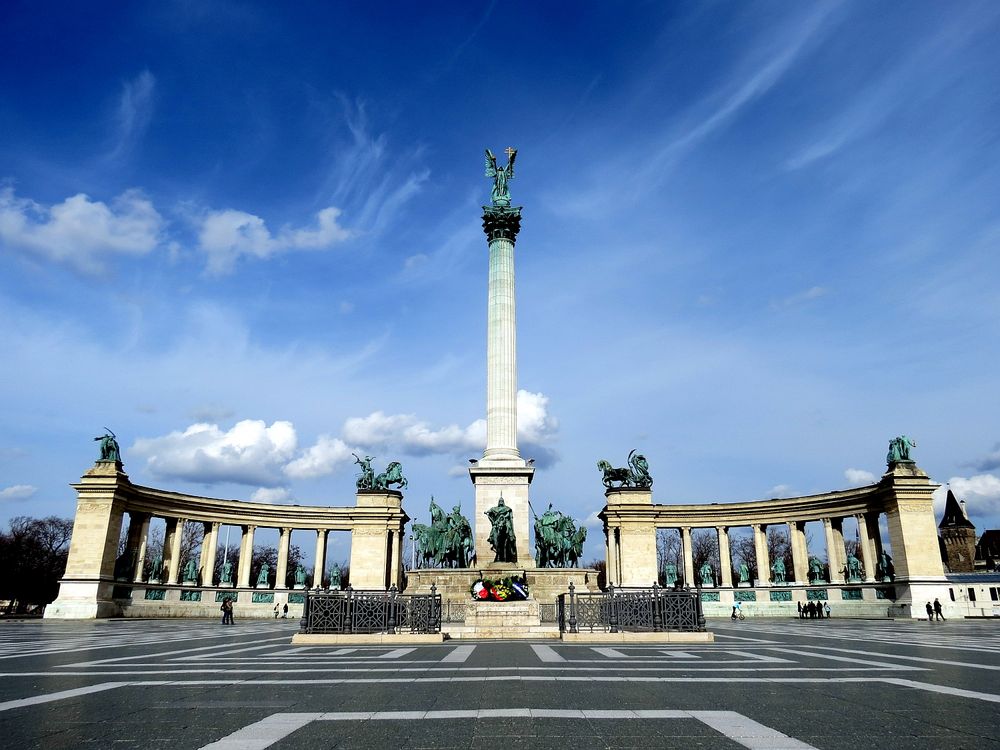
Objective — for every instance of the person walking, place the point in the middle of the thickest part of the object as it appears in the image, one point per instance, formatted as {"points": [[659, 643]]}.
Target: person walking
{"points": [[826, 606], [937, 610], [275, 611], [284, 612], [799, 605], [930, 612]]}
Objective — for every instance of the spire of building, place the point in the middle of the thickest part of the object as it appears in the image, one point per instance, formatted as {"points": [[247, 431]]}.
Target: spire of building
{"points": [[955, 516]]}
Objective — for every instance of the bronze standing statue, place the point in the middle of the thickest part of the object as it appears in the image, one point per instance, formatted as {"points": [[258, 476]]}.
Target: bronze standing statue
{"points": [[502, 538], [501, 176], [109, 447]]}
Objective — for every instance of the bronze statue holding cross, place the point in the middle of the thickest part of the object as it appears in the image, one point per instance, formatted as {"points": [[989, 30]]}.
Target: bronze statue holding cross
{"points": [[501, 176]]}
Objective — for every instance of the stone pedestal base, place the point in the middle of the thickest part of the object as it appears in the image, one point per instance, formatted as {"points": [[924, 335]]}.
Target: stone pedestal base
{"points": [[501, 619], [494, 480], [82, 600], [222, 584], [299, 586], [189, 583]]}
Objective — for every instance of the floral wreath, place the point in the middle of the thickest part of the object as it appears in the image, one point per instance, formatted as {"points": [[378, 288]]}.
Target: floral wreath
{"points": [[509, 589]]}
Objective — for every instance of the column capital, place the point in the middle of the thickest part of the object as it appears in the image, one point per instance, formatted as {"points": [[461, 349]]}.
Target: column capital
{"points": [[501, 222]]}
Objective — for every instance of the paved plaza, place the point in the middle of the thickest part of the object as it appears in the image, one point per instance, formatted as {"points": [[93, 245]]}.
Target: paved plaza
{"points": [[763, 684]]}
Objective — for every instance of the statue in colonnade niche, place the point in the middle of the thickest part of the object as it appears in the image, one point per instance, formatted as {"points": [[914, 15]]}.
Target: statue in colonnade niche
{"points": [[227, 572], [300, 577], [707, 573], [885, 569], [853, 569], [156, 569], [263, 578], [899, 450], [816, 573], [191, 570], [778, 571], [109, 447], [669, 574], [744, 573], [335, 577]]}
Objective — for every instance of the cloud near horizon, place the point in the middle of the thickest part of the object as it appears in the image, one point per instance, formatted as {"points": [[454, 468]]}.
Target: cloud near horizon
{"points": [[254, 454], [18, 492], [80, 232]]}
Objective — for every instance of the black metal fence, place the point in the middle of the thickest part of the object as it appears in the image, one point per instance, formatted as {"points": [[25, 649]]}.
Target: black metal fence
{"points": [[625, 610], [353, 611]]}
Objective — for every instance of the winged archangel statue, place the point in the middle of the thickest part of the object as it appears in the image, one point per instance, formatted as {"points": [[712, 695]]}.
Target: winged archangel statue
{"points": [[501, 176]]}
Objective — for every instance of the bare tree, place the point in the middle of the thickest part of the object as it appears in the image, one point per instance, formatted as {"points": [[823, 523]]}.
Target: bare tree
{"points": [[743, 551], [33, 556], [668, 549], [705, 548], [779, 547]]}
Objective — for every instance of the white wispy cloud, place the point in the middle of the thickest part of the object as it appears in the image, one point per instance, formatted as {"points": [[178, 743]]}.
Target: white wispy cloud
{"points": [[325, 457], [271, 495], [134, 113], [18, 492], [80, 232], [981, 494], [224, 236], [799, 298]]}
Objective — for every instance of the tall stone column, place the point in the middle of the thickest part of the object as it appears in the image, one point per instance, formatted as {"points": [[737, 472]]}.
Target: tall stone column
{"points": [[281, 574], [800, 552], [760, 551], [833, 529], [140, 556], [868, 559], [212, 542], [688, 556], [319, 566], [502, 472], [246, 556], [173, 573], [725, 557]]}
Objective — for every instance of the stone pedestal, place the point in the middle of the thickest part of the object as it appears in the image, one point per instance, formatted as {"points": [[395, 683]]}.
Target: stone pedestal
{"points": [[376, 549], [501, 619], [510, 480], [631, 542]]}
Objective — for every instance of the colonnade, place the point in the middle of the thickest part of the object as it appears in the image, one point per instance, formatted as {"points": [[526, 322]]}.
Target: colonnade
{"points": [[869, 546], [902, 497], [105, 495]]}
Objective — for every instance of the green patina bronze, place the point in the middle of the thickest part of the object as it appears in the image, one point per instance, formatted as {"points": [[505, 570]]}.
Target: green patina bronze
{"points": [[778, 571], [744, 573], [707, 573], [190, 596], [635, 475], [296, 598], [300, 576], [710, 596], [558, 541], [502, 538], [259, 597], [447, 542], [109, 447], [366, 478], [501, 177], [899, 450], [263, 578], [191, 571], [221, 596], [227, 572], [816, 571], [851, 594], [745, 596], [816, 595], [157, 595], [853, 569], [336, 577], [156, 569], [781, 596], [669, 574]]}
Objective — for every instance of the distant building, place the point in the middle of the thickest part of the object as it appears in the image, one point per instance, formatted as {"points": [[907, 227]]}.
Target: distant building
{"points": [[988, 551], [957, 537]]}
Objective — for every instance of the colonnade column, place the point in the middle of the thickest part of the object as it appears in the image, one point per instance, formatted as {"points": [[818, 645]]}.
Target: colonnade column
{"points": [[867, 551], [140, 558], [395, 557], [246, 556], [834, 529], [611, 556], [281, 574], [760, 550], [725, 557], [175, 550], [688, 556], [800, 551], [320, 558], [212, 540]]}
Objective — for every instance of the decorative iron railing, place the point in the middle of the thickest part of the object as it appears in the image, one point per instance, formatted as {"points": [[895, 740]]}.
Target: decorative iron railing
{"points": [[353, 611], [625, 610]]}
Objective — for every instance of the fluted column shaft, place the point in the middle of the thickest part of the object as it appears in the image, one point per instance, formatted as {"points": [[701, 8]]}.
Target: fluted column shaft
{"points": [[281, 574], [175, 550], [867, 549], [760, 550], [320, 558], [688, 556], [246, 556], [140, 558], [501, 354], [725, 557], [211, 541]]}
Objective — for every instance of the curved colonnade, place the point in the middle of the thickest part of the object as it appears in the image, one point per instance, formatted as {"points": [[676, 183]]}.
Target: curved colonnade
{"points": [[902, 496], [105, 496]]}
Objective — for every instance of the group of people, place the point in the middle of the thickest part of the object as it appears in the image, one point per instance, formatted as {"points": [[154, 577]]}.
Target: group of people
{"points": [[934, 611], [227, 611], [814, 610]]}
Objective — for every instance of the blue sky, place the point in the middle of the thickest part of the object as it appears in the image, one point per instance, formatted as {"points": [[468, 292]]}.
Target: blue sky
{"points": [[759, 240]]}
